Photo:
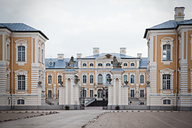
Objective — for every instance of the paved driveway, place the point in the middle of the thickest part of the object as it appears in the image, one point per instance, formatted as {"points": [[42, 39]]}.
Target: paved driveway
{"points": [[64, 119], [144, 119]]}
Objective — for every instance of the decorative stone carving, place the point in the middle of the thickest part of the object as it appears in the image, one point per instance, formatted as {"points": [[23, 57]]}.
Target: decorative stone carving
{"points": [[70, 64], [115, 63]]}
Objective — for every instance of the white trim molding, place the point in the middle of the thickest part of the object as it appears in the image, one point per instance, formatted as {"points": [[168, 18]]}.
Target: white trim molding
{"points": [[21, 42], [170, 72], [17, 73], [167, 40]]}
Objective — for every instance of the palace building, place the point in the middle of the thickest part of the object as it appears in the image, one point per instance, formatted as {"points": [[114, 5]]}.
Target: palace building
{"points": [[163, 80]]}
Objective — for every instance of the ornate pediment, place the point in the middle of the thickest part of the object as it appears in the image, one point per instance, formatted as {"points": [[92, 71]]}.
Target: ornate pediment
{"points": [[167, 71], [21, 72]]}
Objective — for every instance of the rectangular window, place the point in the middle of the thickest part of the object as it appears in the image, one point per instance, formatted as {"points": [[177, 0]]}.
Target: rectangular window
{"points": [[21, 82], [20, 101], [142, 79], [49, 79], [166, 101], [142, 93], [8, 52], [21, 53], [91, 79], [49, 93], [132, 79], [132, 93], [125, 78], [91, 93], [166, 81], [59, 79], [84, 93], [167, 52]]}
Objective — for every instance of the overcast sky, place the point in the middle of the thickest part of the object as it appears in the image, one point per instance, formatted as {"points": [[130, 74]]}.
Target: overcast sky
{"points": [[76, 26]]}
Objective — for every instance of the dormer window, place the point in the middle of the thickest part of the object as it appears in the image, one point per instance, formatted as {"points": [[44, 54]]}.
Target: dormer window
{"points": [[108, 64], [91, 64], [125, 64], [84, 64], [51, 63], [100, 64], [132, 64]]}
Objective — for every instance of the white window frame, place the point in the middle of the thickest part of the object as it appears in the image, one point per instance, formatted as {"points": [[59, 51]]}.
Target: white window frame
{"points": [[101, 64], [140, 92], [170, 72], [108, 63], [90, 92], [169, 41], [140, 79], [83, 79], [21, 72], [21, 42], [90, 79], [106, 78], [101, 79], [130, 78], [133, 63], [130, 92], [125, 63], [59, 74], [48, 79], [90, 65], [20, 99], [124, 79], [83, 64]]}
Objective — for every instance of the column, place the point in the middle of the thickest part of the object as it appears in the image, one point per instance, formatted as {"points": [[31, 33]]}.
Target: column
{"points": [[66, 91], [114, 93], [72, 91], [119, 91]]}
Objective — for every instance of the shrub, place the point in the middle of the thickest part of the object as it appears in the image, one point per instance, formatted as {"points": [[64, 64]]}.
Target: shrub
{"points": [[117, 107], [66, 107]]}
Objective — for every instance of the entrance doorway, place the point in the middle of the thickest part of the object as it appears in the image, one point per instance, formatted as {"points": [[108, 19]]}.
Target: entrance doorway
{"points": [[49, 94], [100, 94]]}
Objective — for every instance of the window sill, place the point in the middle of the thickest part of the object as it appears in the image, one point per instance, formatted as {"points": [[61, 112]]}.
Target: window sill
{"points": [[21, 63], [166, 62]]}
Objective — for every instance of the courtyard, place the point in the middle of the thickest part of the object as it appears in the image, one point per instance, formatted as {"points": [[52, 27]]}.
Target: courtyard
{"points": [[96, 118]]}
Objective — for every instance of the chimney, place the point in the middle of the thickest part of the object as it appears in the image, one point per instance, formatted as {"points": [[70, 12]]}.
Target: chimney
{"points": [[79, 55], [123, 50], [60, 56], [179, 13], [95, 50], [139, 55]]}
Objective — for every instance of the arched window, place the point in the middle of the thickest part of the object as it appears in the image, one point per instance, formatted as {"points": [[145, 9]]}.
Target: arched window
{"points": [[100, 93], [125, 64], [108, 64], [84, 64], [100, 64], [107, 76], [166, 101], [166, 81], [100, 79], [166, 52], [59, 79], [142, 79], [49, 79], [91, 64], [125, 78], [84, 79], [132, 79], [132, 64], [91, 79], [21, 53]]}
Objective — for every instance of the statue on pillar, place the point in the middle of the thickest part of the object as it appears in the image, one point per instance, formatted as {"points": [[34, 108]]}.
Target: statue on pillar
{"points": [[70, 64], [115, 63]]}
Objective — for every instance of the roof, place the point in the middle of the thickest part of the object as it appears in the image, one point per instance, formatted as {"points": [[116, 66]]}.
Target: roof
{"points": [[171, 24], [58, 63], [118, 55], [20, 27], [143, 63]]}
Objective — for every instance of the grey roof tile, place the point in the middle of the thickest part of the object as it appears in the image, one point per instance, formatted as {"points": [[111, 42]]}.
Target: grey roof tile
{"points": [[118, 55], [20, 27]]}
